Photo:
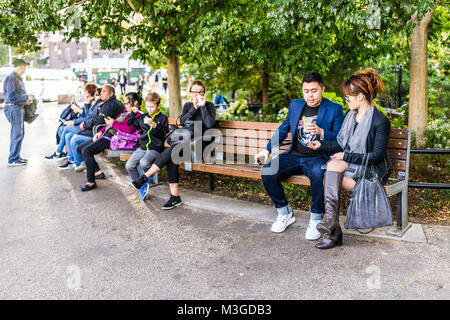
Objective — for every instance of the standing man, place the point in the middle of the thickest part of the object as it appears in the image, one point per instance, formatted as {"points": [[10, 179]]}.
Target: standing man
{"points": [[16, 99], [308, 119], [122, 82]]}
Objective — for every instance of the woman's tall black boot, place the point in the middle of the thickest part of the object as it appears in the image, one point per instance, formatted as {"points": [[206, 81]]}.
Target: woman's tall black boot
{"points": [[329, 227]]}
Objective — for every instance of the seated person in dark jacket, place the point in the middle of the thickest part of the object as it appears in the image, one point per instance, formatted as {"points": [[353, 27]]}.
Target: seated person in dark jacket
{"points": [[365, 130], [102, 139], [197, 110], [153, 127], [111, 107]]}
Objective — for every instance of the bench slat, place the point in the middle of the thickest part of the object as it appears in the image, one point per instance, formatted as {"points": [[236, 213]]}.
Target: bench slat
{"points": [[398, 144], [256, 134], [248, 125], [397, 154], [398, 164], [117, 153], [125, 156], [399, 134], [244, 171]]}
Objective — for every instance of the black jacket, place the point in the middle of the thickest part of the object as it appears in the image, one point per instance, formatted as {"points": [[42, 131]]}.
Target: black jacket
{"points": [[376, 147], [206, 114], [110, 108], [150, 138]]}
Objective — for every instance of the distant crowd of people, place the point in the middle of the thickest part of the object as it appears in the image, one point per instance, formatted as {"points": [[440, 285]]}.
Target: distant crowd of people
{"points": [[157, 82]]}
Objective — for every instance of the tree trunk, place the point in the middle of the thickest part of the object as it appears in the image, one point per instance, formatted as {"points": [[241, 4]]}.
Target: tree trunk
{"points": [[173, 82], [418, 113], [265, 87]]}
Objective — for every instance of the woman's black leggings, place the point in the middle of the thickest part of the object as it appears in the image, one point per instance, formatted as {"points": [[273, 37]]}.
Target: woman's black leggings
{"points": [[88, 150], [172, 168]]}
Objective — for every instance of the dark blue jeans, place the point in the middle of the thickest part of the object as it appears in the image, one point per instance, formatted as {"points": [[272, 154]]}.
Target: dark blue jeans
{"points": [[15, 115], [291, 165]]}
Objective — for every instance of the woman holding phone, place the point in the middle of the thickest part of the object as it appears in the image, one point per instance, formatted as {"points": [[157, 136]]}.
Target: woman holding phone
{"points": [[365, 130]]}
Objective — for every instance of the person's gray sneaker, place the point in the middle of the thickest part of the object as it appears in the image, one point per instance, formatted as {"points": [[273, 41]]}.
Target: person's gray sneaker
{"points": [[17, 163], [80, 168]]}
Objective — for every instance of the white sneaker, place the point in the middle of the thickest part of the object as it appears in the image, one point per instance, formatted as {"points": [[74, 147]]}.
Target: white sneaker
{"points": [[312, 233], [282, 222], [80, 168]]}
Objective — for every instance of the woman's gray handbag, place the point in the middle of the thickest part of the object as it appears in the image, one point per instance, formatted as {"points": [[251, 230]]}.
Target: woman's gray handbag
{"points": [[187, 128], [369, 206]]}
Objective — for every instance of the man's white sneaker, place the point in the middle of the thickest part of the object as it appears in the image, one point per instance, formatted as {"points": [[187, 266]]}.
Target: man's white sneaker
{"points": [[282, 222], [312, 233]]}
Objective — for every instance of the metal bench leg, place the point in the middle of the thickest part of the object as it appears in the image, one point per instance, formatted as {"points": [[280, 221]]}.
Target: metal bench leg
{"points": [[404, 199], [399, 210], [211, 182], [402, 215]]}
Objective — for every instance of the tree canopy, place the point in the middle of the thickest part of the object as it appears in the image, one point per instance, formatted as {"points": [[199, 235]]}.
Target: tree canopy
{"points": [[233, 40]]}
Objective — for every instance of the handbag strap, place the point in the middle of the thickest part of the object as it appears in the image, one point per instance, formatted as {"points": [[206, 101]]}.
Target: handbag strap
{"points": [[365, 232], [365, 163]]}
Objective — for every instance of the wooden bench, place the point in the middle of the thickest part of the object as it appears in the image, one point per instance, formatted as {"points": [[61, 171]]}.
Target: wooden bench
{"points": [[124, 155], [245, 139]]}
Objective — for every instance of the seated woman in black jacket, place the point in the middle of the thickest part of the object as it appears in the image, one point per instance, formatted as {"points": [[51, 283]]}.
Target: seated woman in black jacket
{"points": [[197, 110], [365, 130]]}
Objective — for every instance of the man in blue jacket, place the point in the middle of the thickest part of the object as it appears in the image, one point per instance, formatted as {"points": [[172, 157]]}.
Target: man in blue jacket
{"points": [[16, 98], [308, 119]]}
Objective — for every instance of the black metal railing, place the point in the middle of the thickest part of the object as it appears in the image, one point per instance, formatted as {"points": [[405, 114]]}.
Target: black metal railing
{"points": [[429, 185]]}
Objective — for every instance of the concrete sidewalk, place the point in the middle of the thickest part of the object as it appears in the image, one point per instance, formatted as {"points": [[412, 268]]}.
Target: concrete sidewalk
{"points": [[246, 209]]}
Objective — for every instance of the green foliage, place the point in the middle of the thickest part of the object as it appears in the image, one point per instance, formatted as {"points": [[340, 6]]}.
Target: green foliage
{"points": [[333, 97], [238, 111], [4, 55], [437, 134], [295, 192], [231, 43]]}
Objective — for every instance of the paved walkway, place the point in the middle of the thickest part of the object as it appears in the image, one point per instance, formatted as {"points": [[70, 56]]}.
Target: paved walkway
{"points": [[59, 243]]}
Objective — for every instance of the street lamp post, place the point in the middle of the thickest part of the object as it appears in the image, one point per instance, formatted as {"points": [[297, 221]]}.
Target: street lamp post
{"points": [[10, 56], [89, 59]]}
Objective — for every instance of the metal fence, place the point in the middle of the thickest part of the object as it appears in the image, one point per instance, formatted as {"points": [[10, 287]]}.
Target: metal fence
{"points": [[429, 185]]}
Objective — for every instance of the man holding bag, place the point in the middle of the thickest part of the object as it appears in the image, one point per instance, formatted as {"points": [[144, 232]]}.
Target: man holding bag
{"points": [[16, 99]]}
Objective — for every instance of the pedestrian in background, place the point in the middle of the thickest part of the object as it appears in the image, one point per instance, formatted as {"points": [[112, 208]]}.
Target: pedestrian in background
{"points": [[16, 98], [123, 82]]}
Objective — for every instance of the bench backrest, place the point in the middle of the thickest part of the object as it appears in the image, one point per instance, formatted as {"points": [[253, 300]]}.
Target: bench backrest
{"points": [[243, 137]]}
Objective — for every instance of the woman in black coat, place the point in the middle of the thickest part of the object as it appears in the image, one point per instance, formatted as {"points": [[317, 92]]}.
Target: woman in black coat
{"points": [[365, 130]]}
